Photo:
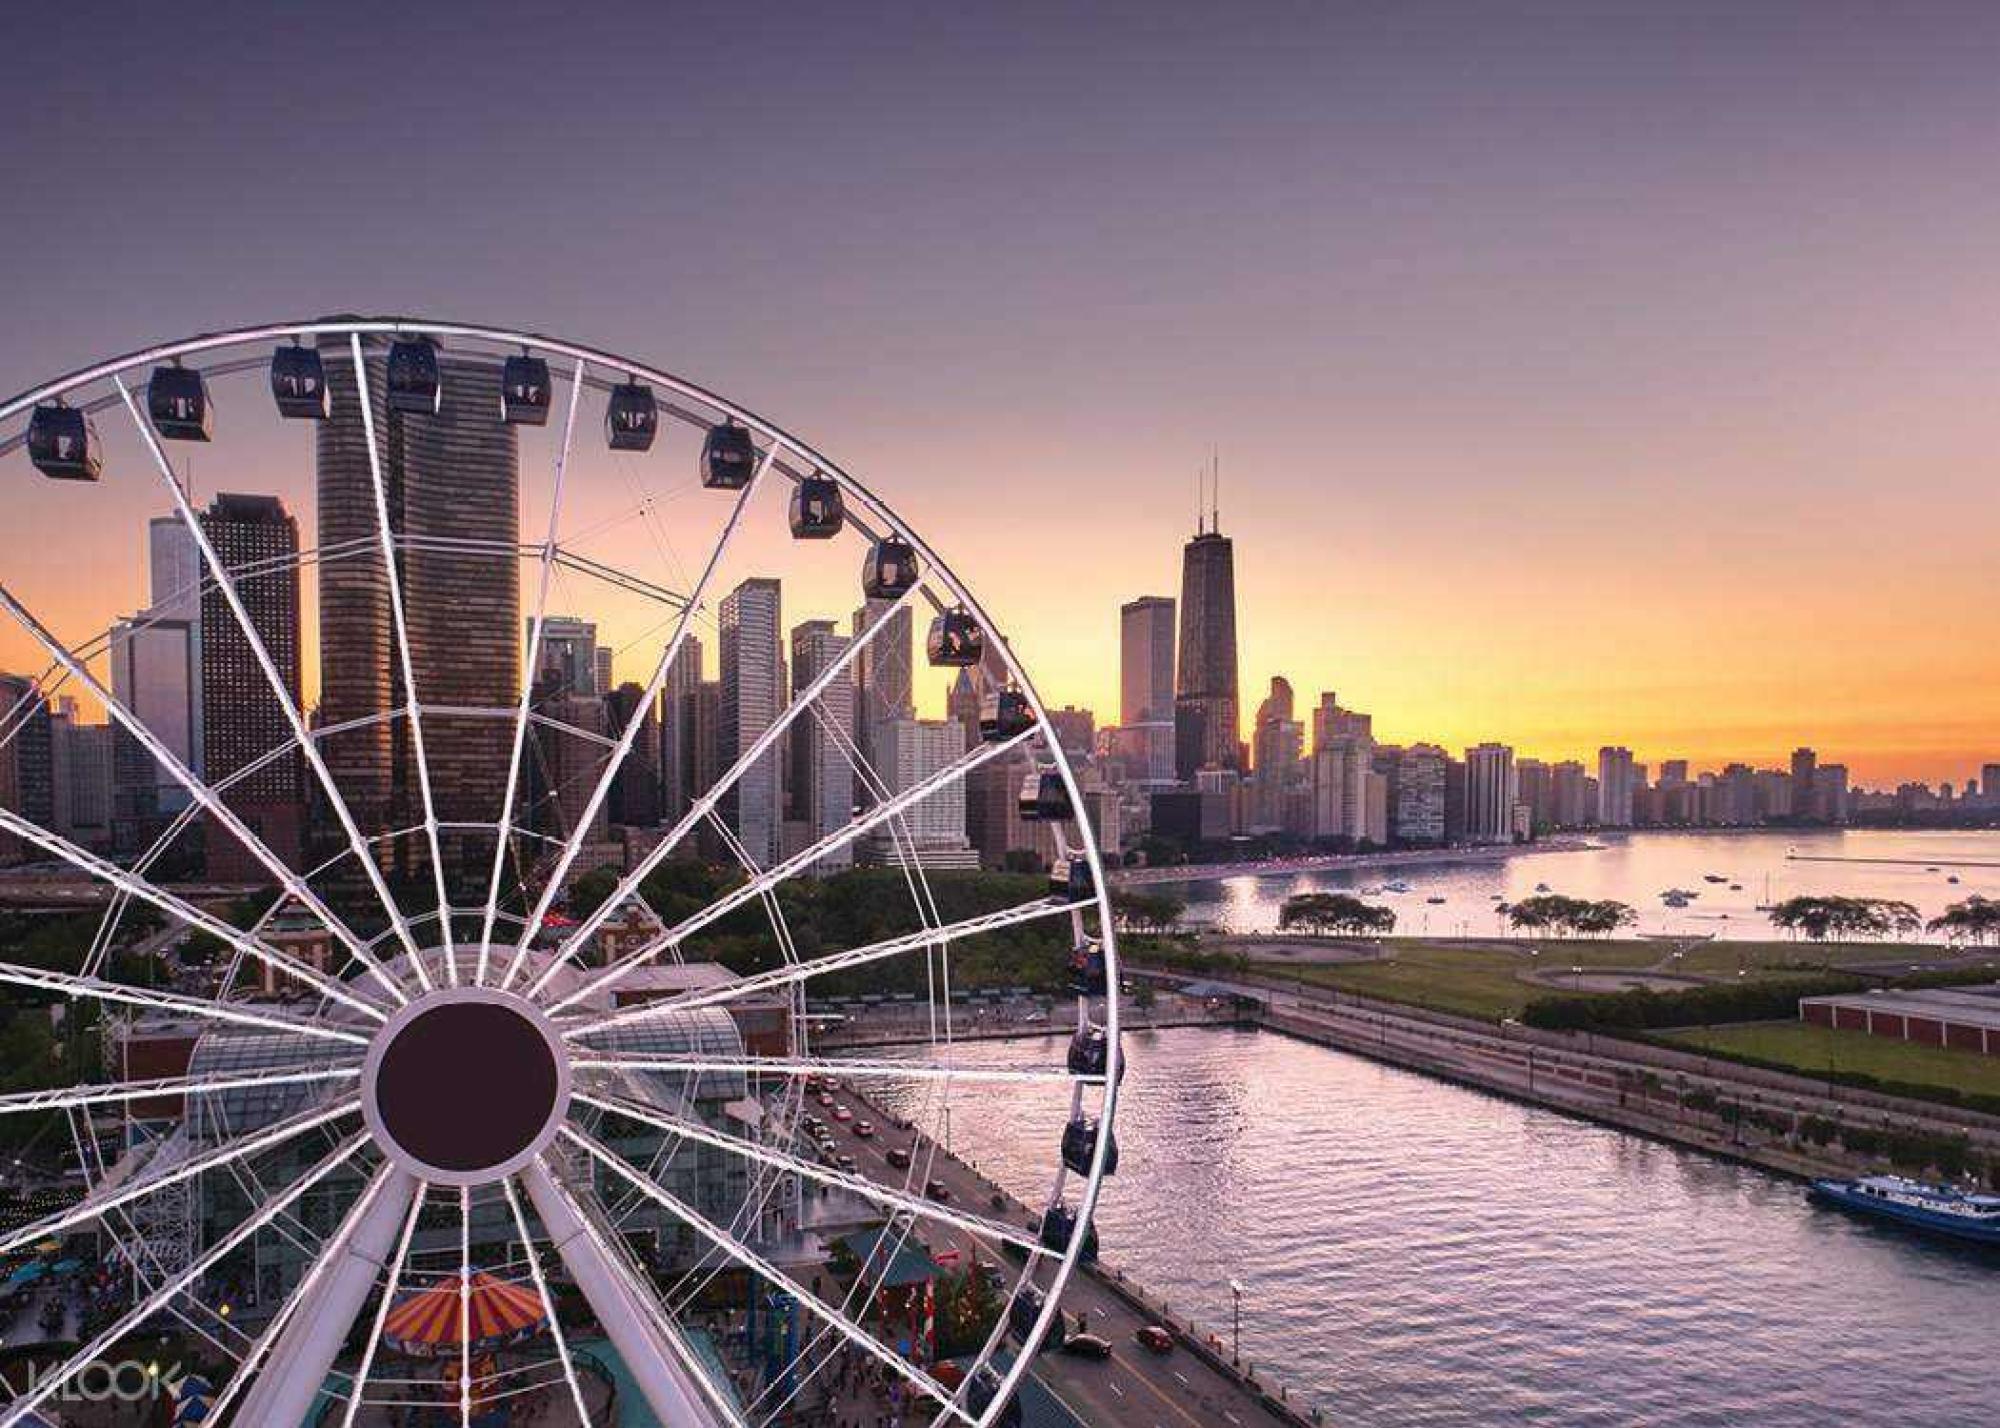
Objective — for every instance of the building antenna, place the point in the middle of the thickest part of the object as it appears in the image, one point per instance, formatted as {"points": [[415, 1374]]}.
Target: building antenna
{"points": [[1215, 489]]}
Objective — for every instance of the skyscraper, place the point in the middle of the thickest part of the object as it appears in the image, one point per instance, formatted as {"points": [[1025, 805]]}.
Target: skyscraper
{"points": [[571, 656], [1276, 757], [1489, 793], [1146, 685], [822, 787], [678, 697], [634, 799], [241, 719], [753, 693], [27, 761], [1614, 787], [932, 831], [883, 679], [1206, 725], [453, 486]]}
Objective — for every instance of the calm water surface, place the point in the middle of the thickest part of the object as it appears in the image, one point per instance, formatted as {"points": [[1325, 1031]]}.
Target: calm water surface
{"points": [[1419, 1253], [1636, 868]]}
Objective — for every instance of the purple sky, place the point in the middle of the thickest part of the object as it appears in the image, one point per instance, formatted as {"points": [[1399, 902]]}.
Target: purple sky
{"points": [[1582, 373]]}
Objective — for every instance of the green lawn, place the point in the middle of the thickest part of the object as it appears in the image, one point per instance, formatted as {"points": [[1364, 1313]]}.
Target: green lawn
{"points": [[1464, 981], [1814, 1050]]}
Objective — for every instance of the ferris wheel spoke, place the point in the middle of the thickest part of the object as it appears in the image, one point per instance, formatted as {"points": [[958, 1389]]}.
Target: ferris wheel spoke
{"points": [[763, 882], [573, 844], [695, 1130], [534, 1258], [819, 966], [228, 1153], [113, 876], [389, 1287], [768, 1272], [812, 1066], [393, 578], [525, 707], [116, 1092], [301, 1355], [287, 704], [41, 979], [163, 1296], [209, 799], [671, 1377], [837, 668]]}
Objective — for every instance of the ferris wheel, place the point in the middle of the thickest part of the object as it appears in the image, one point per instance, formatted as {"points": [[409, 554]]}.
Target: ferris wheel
{"points": [[438, 1020]]}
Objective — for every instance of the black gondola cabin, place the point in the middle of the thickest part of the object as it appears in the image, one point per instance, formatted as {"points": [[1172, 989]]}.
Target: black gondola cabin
{"points": [[524, 391], [818, 512], [414, 383], [63, 444], [632, 418], [298, 384], [955, 641], [177, 403], [728, 458]]}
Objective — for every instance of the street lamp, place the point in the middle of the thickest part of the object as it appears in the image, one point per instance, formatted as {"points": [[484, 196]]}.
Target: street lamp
{"points": [[1236, 1332]]}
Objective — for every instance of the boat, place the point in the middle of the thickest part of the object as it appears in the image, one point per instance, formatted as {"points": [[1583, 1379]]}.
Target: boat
{"points": [[1736, 887], [1937, 1209], [1398, 886], [1714, 878], [1541, 887], [1433, 901], [1952, 879]]}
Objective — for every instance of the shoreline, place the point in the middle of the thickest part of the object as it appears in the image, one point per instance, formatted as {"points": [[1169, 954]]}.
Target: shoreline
{"points": [[1338, 862]]}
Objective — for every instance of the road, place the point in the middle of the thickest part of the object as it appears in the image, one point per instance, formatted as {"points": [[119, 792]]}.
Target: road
{"points": [[1136, 1389]]}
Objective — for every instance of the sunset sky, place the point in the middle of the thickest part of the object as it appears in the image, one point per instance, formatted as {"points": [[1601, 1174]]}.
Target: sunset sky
{"points": [[1581, 373]]}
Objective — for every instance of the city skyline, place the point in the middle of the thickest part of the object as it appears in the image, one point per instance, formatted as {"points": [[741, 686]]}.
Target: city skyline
{"points": [[1529, 374]]}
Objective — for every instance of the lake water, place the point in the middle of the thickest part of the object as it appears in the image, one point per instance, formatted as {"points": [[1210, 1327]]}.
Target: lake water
{"points": [[1417, 1253], [1636, 868]]}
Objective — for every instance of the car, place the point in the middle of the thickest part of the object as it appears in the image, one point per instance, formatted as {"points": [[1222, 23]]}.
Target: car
{"points": [[899, 1156], [864, 1129], [825, 1098], [939, 1191], [846, 1162], [1154, 1339], [842, 1114], [833, 1083], [1087, 1346]]}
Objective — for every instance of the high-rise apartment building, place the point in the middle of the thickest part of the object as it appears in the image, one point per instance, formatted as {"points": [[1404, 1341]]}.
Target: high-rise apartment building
{"points": [[27, 761], [1614, 787], [242, 719], [752, 695], [1277, 758], [453, 496], [1207, 729], [1417, 815], [572, 661], [884, 685], [820, 797], [931, 832], [1146, 687], [634, 797], [678, 698], [1489, 794]]}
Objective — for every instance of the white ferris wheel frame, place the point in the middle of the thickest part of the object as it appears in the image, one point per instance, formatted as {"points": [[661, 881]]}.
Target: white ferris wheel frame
{"points": [[301, 1342]]}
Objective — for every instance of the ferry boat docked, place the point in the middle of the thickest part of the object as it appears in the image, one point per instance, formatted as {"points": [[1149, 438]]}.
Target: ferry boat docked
{"points": [[1935, 1208]]}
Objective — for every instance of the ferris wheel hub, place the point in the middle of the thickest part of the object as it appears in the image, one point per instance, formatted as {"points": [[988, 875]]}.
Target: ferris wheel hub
{"points": [[465, 1085]]}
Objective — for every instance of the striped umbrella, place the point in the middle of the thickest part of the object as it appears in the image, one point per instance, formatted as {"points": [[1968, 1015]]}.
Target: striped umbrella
{"points": [[427, 1322]]}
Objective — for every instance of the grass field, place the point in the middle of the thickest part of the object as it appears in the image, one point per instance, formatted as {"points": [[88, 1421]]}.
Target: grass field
{"points": [[1484, 979], [1815, 1050]]}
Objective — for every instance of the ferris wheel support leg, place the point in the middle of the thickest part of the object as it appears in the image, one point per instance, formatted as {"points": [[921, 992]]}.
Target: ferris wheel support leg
{"points": [[285, 1392], [656, 1359]]}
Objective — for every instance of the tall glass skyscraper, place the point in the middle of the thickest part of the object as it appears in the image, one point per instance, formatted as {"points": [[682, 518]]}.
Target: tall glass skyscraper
{"points": [[455, 475], [753, 693], [1206, 731]]}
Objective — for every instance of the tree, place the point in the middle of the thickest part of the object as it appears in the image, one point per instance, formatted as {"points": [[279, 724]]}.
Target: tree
{"points": [[1977, 919], [1335, 912], [1576, 916], [1146, 912], [1822, 917]]}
